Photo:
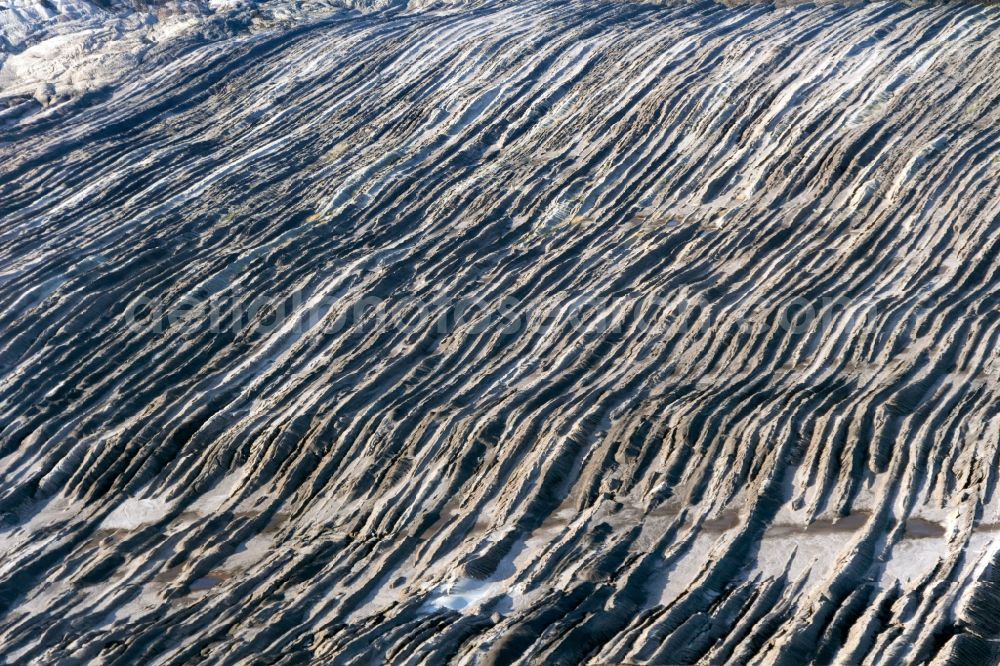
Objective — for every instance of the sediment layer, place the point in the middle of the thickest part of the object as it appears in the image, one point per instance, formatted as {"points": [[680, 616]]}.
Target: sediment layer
{"points": [[528, 332]]}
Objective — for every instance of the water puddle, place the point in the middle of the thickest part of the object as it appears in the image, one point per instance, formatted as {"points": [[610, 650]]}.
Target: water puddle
{"points": [[207, 582]]}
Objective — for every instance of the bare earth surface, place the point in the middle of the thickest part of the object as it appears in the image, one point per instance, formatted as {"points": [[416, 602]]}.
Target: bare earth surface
{"points": [[495, 332]]}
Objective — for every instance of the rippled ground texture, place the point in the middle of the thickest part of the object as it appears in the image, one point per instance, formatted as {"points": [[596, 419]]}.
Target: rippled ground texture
{"points": [[561, 333]]}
